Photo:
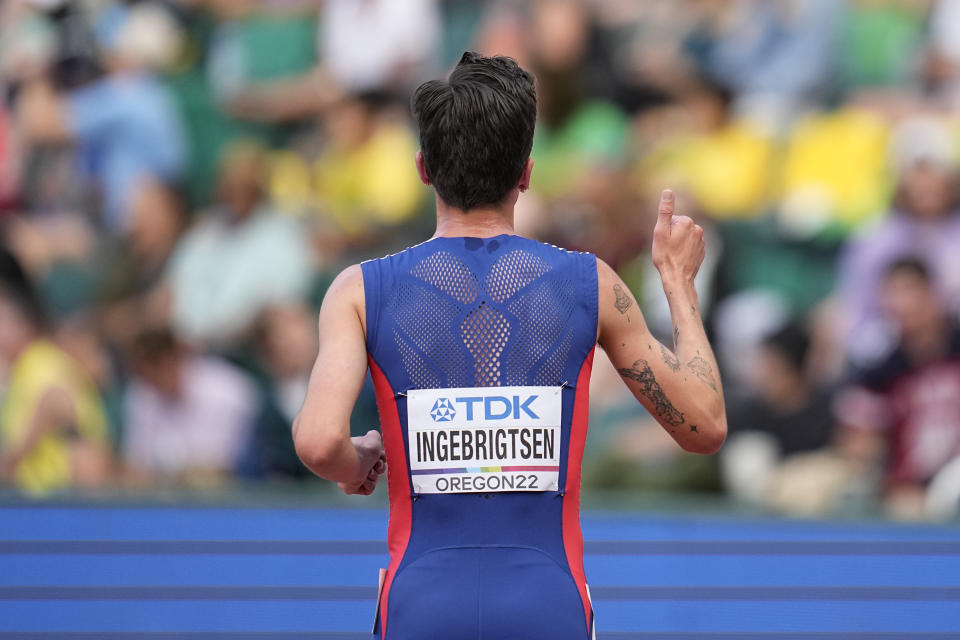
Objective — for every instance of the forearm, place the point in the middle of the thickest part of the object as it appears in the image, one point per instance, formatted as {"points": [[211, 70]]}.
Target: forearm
{"points": [[693, 353], [693, 367], [334, 458]]}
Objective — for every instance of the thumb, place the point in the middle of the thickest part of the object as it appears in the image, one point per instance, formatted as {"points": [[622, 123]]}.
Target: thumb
{"points": [[374, 438], [665, 210]]}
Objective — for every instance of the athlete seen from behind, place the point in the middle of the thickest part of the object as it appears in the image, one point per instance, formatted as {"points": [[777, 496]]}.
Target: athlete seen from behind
{"points": [[480, 344]]}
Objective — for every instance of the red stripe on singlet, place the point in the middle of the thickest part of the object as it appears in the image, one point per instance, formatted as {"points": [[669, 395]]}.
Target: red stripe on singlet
{"points": [[398, 530], [572, 535]]}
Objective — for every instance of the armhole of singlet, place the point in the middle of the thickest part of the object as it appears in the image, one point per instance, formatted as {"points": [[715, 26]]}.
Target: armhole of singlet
{"points": [[591, 295], [371, 298]]}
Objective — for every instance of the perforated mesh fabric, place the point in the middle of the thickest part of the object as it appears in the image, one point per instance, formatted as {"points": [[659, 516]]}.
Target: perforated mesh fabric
{"points": [[485, 333], [513, 272], [417, 368], [551, 372], [448, 273], [427, 319], [483, 318], [545, 308]]}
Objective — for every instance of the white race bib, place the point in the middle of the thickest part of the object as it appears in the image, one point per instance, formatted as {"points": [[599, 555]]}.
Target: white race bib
{"points": [[484, 439]]}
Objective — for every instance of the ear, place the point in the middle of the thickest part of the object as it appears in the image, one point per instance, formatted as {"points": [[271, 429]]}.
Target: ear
{"points": [[524, 182], [422, 169]]}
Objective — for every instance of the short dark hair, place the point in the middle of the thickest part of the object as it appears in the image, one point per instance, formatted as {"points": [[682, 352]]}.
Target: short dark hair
{"points": [[153, 344], [909, 265], [476, 129]]}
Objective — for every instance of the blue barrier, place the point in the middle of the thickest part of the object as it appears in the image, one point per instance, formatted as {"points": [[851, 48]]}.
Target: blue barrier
{"points": [[251, 573]]}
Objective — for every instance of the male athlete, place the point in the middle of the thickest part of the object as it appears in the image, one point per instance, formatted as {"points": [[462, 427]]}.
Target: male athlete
{"points": [[480, 344]]}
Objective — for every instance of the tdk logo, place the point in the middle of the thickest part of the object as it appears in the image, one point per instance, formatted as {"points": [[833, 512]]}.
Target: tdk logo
{"points": [[443, 411], [485, 408]]}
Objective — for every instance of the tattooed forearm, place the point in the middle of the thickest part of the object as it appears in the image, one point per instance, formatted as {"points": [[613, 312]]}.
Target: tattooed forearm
{"points": [[642, 374], [669, 359], [702, 369], [622, 302]]}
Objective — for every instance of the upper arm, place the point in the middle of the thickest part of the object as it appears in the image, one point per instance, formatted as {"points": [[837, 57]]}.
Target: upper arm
{"points": [[622, 331], [341, 364]]}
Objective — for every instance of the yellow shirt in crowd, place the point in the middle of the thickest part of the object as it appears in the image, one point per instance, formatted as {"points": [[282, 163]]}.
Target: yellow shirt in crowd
{"points": [[42, 366], [373, 184]]}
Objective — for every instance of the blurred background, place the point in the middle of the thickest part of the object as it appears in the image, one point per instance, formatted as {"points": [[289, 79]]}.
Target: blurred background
{"points": [[180, 180]]}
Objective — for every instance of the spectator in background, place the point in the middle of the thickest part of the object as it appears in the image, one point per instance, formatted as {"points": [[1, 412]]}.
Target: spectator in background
{"points": [[356, 184], [125, 125], [786, 405], [882, 42], [583, 198], [778, 452], [924, 221], [187, 417], [775, 50], [53, 430], [287, 346], [286, 340], [722, 159], [906, 404], [379, 44], [239, 258], [262, 65], [577, 133]]}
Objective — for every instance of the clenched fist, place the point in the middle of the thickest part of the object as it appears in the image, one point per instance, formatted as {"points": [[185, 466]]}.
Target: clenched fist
{"points": [[372, 463], [678, 246]]}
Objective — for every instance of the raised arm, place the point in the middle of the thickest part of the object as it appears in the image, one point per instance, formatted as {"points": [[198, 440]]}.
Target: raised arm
{"points": [[681, 387], [321, 431]]}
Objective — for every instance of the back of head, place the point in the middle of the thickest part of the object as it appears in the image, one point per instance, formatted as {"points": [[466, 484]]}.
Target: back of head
{"points": [[476, 129]]}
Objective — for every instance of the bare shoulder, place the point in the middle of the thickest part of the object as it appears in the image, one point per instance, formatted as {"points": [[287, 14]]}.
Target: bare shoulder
{"points": [[614, 295], [346, 293], [618, 309], [348, 282], [605, 274]]}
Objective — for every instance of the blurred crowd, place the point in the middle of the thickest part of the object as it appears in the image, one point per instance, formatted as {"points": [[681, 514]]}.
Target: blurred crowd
{"points": [[181, 179]]}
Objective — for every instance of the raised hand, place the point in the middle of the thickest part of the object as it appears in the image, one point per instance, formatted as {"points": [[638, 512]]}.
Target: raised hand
{"points": [[372, 463], [678, 246]]}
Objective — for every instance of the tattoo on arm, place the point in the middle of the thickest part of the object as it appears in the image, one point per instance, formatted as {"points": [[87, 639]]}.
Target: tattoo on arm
{"points": [[702, 369], [669, 359], [642, 374], [622, 302]]}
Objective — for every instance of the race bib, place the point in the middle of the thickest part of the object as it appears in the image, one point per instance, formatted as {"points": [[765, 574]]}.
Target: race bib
{"points": [[486, 439]]}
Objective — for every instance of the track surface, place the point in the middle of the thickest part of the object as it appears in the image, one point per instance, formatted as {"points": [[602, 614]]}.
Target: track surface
{"points": [[254, 573]]}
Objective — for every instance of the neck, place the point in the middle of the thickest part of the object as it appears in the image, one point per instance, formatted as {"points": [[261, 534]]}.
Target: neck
{"points": [[480, 222]]}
